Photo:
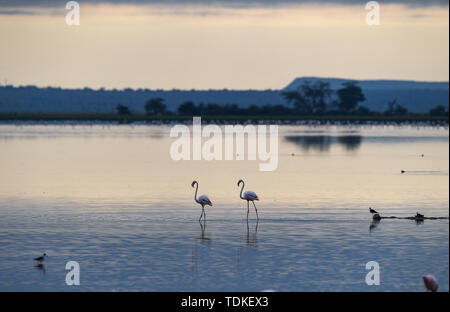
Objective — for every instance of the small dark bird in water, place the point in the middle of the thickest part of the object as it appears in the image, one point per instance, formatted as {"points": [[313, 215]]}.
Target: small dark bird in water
{"points": [[403, 171], [372, 211], [376, 216], [41, 258], [419, 216]]}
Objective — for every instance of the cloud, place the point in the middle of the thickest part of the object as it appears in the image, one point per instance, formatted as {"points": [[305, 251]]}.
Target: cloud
{"points": [[17, 12], [223, 3]]}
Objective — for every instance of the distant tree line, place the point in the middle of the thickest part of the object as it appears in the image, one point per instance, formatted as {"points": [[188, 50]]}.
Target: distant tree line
{"points": [[308, 99], [317, 98]]}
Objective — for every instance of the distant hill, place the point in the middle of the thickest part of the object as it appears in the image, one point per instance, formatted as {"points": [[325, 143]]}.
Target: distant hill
{"points": [[336, 83], [416, 96], [34, 99]]}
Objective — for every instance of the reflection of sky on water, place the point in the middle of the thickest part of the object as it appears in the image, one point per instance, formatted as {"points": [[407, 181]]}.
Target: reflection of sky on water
{"points": [[157, 248], [111, 199]]}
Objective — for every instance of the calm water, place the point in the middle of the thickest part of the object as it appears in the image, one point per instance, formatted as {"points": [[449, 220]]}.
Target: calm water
{"points": [[112, 199]]}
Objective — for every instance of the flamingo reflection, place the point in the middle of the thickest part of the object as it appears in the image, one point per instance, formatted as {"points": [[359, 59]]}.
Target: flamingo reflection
{"points": [[251, 241]]}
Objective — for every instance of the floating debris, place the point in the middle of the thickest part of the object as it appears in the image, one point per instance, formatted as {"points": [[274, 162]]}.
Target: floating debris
{"points": [[430, 282]]}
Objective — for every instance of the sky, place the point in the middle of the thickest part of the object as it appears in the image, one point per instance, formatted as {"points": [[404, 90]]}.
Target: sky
{"points": [[234, 44]]}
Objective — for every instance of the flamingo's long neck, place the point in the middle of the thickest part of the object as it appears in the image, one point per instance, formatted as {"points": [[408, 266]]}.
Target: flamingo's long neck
{"points": [[195, 196], [242, 189]]}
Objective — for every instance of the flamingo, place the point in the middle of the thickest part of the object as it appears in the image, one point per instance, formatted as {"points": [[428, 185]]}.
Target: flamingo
{"points": [[249, 196], [202, 200]]}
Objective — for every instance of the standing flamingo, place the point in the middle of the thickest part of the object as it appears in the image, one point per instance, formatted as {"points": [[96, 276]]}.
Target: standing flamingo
{"points": [[202, 200], [249, 196]]}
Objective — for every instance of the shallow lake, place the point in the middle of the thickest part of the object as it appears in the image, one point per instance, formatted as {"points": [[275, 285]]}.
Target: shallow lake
{"points": [[111, 198]]}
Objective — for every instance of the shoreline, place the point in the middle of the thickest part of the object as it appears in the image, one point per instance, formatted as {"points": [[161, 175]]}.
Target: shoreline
{"points": [[141, 118]]}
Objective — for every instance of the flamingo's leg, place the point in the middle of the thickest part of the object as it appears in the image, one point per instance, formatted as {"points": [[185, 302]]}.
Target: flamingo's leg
{"points": [[203, 211], [248, 208], [257, 217], [203, 226]]}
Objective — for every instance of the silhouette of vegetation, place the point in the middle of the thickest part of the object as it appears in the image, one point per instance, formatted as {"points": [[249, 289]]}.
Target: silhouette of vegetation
{"points": [[438, 111], [155, 106], [123, 110], [395, 109], [309, 97], [362, 110], [312, 100], [257, 118], [349, 97], [316, 98], [189, 108], [418, 97], [308, 100]]}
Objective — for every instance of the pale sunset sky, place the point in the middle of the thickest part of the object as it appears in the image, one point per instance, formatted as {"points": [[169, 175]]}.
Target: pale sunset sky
{"points": [[237, 44]]}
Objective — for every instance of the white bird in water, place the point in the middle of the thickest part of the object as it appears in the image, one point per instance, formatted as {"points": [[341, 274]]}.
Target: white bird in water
{"points": [[41, 258], [202, 200], [249, 196]]}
